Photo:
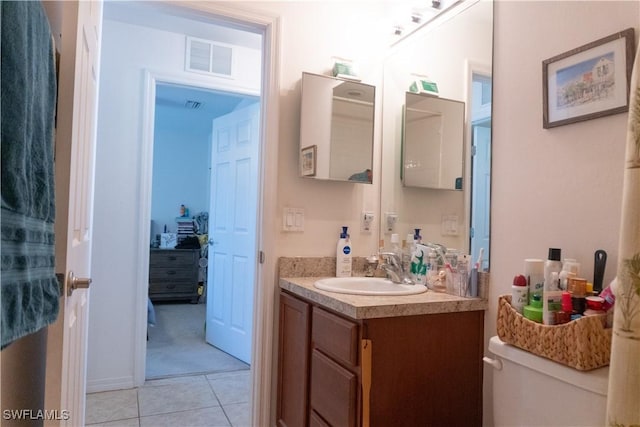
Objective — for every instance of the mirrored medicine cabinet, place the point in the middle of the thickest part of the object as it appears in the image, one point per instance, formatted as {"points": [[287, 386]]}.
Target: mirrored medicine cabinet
{"points": [[336, 129], [433, 142]]}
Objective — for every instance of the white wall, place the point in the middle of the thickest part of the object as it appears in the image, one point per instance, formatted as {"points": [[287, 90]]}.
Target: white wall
{"points": [[181, 161], [128, 51], [313, 33], [560, 187]]}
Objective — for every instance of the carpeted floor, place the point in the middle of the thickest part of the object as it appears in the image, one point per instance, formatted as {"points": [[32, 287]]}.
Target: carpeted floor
{"points": [[177, 345]]}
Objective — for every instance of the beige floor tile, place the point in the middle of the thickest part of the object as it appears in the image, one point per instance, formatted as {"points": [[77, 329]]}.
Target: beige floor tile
{"points": [[207, 417], [111, 406], [239, 414], [131, 422], [163, 399], [231, 387], [189, 379]]}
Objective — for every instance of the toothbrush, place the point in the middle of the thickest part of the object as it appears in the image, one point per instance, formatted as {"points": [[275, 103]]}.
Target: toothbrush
{"points": [[479, 261]]}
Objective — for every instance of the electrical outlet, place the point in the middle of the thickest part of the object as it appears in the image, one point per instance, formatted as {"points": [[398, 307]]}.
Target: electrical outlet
{"points": [[366, 222]]}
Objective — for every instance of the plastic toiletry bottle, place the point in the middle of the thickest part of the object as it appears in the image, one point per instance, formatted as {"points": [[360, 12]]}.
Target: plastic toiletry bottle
{"points": [[412, 241], [395, 245], [533, 311], [519, 293], [534, 272], [343, 255], [552, 263], [462, 277], [552, 300], [419, 266]]}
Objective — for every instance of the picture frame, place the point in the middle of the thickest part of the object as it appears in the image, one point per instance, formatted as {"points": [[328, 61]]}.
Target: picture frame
{"points": [[589, 81], [308, 160]]}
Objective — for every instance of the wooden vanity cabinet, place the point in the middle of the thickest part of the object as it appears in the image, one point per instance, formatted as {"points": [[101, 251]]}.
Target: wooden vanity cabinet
{"points": [[426, 370]]}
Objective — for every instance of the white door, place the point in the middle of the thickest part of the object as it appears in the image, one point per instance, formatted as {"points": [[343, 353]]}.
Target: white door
{"points": [[75, 159], [480, 202], [232, 231]]}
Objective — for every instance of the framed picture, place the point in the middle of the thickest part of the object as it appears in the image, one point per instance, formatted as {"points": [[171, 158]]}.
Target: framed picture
{"points": [[308, 160], [589, 81]]}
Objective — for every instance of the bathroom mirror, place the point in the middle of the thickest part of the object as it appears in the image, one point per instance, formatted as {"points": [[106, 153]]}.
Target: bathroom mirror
{"points": [[433, 142], [455, 52], [336, 129]]}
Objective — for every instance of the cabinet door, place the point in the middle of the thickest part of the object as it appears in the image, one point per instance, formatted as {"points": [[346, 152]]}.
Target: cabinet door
{"points": [[293, 362], [334, 391]]}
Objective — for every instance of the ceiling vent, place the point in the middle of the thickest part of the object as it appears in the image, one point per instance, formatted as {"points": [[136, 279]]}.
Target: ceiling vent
{"points": [[192, 105], [204, 56]]}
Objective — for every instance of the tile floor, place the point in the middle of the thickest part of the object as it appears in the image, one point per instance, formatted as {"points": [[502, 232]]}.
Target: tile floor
{"points": [[213, 400]]}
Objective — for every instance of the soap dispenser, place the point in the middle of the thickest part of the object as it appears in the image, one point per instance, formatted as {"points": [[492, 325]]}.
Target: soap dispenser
{"points": [[343, 255]]}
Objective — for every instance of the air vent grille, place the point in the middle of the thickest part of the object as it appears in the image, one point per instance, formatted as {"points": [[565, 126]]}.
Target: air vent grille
{"points": [[193, 105], [204, 56]]}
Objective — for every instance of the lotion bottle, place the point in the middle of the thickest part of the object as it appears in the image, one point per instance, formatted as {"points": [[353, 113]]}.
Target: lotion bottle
{"points": [[343, 255]]}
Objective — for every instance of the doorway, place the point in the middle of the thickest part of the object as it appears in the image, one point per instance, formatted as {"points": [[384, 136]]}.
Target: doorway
{"points": [[188, 331], [480, 167]]}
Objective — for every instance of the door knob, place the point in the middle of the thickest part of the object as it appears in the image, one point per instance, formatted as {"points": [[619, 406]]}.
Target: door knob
{"points": [[212, 242], [76, 283]]}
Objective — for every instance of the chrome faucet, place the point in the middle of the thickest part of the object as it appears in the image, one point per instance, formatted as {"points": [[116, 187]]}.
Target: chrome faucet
{"points": [[394, 269]]}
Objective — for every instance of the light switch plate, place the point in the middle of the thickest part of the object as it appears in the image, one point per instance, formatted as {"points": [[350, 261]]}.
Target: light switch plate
{"points": [[293, 219], [366, 222], [390, 219]]}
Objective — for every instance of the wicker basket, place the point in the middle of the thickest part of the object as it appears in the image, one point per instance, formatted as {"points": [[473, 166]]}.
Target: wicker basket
{"points": [[583, 344]]}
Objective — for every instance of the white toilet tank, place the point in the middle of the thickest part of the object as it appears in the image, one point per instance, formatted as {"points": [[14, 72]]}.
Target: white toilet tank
{"points": [[530, 390]]}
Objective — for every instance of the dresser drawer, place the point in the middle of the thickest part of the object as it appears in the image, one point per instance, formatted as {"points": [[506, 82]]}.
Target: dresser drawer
{"points": [[172, 257], [173, 273], [169, 287], [335, 336]]}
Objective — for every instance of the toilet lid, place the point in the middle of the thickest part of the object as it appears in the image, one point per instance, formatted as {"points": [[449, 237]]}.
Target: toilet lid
{"points": [[596, 380]]}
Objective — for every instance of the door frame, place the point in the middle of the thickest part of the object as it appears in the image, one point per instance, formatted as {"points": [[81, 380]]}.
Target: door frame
{"points": [[470, 68], [264, 297]]}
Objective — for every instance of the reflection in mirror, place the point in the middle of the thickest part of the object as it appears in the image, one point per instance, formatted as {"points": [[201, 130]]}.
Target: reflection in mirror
{"points": [[433, 142], [336, 129], [455, 53]]}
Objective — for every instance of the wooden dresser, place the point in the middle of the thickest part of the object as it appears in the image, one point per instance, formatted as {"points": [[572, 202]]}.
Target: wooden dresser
{"points": [[173, 274]]}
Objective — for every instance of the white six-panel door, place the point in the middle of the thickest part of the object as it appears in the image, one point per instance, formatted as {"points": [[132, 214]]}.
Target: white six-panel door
{"points": [[75, 160], [232, 231]]}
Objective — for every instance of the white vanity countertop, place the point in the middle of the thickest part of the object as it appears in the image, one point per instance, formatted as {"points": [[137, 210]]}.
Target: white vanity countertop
{"points": [[375, 306]]}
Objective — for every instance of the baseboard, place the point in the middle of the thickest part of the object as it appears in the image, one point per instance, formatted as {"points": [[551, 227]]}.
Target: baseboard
{"points": [[110, 384]]}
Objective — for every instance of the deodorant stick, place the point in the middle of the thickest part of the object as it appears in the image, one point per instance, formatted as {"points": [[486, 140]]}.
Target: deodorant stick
{"points": [[534, 272]]}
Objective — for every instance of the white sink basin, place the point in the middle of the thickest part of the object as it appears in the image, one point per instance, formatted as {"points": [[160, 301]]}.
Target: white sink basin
{"points": [[367, 286]]}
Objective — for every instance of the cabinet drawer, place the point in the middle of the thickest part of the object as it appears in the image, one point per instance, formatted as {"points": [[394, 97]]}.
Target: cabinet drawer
{"points": [[333, 391], [316, 421], [335, 336]]}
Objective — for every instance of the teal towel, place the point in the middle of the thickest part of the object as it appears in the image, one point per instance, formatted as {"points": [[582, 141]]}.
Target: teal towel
{"points": [[29, 288]]}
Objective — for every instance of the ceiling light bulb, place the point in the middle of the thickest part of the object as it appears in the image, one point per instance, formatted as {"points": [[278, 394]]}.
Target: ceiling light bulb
{"points": [[416, 17], [397, 30]]}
